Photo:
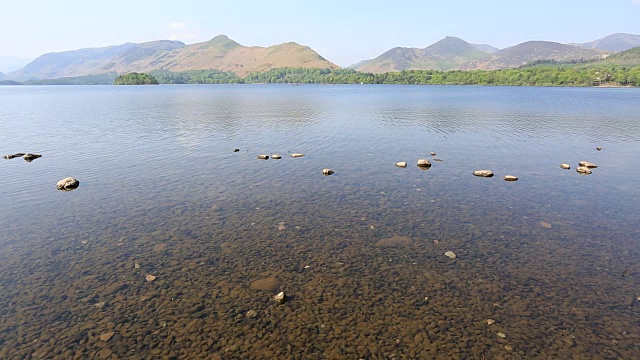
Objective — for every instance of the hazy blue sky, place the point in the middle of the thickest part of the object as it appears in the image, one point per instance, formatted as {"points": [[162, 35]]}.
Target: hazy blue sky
{"points": [[342, 31]]}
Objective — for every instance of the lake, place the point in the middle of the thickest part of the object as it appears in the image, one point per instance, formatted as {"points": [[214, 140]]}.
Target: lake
{"points": [[546, 267]]}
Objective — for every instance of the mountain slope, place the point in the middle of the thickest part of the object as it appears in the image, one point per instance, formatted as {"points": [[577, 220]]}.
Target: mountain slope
{"points": [[486, 48], [12, 63], [445, 54], [529, 51], [141, 56], [1, 76], [614, 42]]}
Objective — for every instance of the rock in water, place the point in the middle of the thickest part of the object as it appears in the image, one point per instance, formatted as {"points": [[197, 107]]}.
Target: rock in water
{"points": [[263, 157], [483, 173], [296, 155], [401, 164], [236, 150], [598, 148], [424, 163], [251, 314], [565, 166], [327, 172], [280, 298], [433, 154], [150, 278], [107, 336], [266, 284], [31, 157], [68, 184], [276, 156], [451, 254], [12, 156], [587, 164], [510, 178], [583, 170]]}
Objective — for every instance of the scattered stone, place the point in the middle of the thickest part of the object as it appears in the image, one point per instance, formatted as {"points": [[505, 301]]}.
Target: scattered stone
{"points": [[490, 321], [281, 226], [307, 266], [107, 336], [68, 184], [296, 155], [12, 156], [598, 148], [433, 154], [545, 224], [510, 178], [251, 314], [436, 242], [150, 278], [263, 157], [501, 335], [583, 170], [266, 284], [394, 241], [402, 164], [159, 247], [280, 298], [451, 254], [424, 163], [588, 164], [565, 166], [31, 157], [483, 173], [136, 266], [438, 160], [100, 305], [508, 347], [276, 157], [327, 172], [236, 150]]}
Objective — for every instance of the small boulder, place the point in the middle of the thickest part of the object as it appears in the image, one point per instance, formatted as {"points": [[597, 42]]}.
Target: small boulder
{"points": [[483, 173], [107, 336], [31, 157], [296, 155], [68, 184], [402, 164], [583, 170], [12, 156], [510, 178], [588, 164], [263, 157], [565, 166], [451, 254], [276, 156], [280, 298], [327, 172], [424, 163]]}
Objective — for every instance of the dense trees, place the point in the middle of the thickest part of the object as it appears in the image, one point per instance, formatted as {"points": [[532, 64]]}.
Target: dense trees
{"points": [[135, 79]]}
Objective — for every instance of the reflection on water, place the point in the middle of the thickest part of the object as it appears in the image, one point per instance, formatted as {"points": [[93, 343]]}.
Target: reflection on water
{"points": [[551, 258]]}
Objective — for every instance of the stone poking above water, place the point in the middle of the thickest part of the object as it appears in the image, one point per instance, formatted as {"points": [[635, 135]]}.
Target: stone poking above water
{"points": [[68, 184], [12, 156], [424, 163], [451, 254], [31, 157], [402, 164], [263, 157], [565, 166], [587, 164], [510, 178], [583, 170], [598, 148], [327, 172], [280, 298], [276, 156], [296, 155], [236, 150], [433, 154], [483, 173]]}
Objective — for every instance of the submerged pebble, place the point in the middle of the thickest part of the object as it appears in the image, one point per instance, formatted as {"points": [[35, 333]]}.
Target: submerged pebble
{"points": [[501, 335], [150, 278], [490, 321], [451, 254]]}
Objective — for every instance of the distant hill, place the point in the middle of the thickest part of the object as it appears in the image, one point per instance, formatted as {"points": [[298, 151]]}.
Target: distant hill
{"points": [[446, 54], [1, 76], [629, 57], [614, 42], [12, 63], [529, 51], [219, 53], [486, 48], [69, 63], [9, 82]]}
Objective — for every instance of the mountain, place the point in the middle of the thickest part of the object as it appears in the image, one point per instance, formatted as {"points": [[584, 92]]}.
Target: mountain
{"points": [[614, 42], [68, 63], [629, 58], [222, 53], [446, 54], [486, 48], [141, 56], [1, 76], [12, 63], [529, 51]]}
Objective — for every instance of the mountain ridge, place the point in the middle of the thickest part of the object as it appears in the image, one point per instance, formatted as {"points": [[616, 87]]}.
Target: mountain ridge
{"points": [[615, 42]]}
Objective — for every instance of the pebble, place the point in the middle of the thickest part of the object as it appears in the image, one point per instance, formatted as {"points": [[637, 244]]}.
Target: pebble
{"points": [[107, 336], [263, 157], [598, 148], [276, 157], [451, 254], [150, 278], [436, 159], [236, 150], [13, 156], [433, 154], [327, 172], [251, 314], [582, 163], [501, 335], [296, 155], [280, 298], [68, 184], [136, 266], [508, 347], [545, 224], [281, 226], [266, 284], [31, 157], [510, 178], [483, 173], [100, 305], [424, 163], [402, 164], [583, 170], [565, 166], [490, 321]]}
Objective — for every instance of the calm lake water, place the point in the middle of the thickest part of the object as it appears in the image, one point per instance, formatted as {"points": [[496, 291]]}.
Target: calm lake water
{"points": [[553, 258]]}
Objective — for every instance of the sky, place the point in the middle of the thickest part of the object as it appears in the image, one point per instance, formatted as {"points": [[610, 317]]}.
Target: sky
{"points": [[344, 32]]}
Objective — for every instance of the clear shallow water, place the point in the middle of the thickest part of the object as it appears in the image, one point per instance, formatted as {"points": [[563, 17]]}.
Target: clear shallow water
{"points": [[161, 187]]}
